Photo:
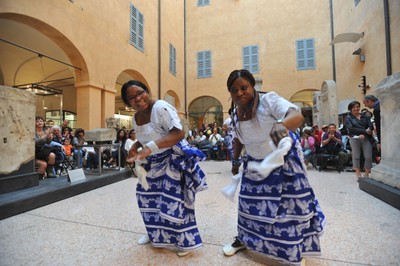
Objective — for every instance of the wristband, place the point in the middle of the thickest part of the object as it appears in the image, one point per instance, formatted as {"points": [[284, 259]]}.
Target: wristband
{"points": [[152, 146], [280, 121], [236, 162]]}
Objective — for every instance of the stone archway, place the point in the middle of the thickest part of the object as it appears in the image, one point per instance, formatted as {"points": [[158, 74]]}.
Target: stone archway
{"points": [[304, 99], [205, 110]]}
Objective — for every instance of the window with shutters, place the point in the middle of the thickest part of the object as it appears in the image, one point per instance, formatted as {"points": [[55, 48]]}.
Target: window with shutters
{"points": [[137, 28], [203, 2], [250, 59], [172, 59], [305, 54], [204, 64]]}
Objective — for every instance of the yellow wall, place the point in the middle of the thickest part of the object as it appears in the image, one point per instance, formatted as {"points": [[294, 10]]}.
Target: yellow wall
{"points": [[226, 26], [367, 17], [94, 35]]}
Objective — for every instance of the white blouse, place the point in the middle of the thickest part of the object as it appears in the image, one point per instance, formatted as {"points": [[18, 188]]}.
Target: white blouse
{"points": [[254, 133], [162, 119]]}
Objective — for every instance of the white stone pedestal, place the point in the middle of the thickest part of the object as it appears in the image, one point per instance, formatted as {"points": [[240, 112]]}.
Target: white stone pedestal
{"points": [[386, 175]]}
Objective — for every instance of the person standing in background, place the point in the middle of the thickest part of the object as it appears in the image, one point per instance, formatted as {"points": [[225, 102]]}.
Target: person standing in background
{"points": [[360, 132]]}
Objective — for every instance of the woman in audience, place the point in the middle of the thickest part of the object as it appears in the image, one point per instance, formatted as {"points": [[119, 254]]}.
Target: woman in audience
{"points": [[44, 155], [360, 132]]}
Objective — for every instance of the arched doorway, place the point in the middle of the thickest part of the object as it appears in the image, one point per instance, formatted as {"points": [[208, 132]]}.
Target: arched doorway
{"points": [[205, 110], [304, 99]]}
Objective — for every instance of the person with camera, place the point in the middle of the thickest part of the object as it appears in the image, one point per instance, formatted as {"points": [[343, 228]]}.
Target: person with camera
{"points": [[215, 140], [332, 144]]}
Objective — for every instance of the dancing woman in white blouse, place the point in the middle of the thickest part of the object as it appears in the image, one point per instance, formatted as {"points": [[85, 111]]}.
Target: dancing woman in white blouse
{"points": [[278, 213], [173, 175]]}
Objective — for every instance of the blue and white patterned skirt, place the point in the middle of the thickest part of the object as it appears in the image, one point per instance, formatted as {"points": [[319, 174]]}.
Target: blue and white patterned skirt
{"points": [[167, 207], [279, 216]]}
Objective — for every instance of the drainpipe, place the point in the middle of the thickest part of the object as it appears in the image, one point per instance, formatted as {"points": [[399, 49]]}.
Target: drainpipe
{"points": [[333, 45], [184, 59], [159, 49], [387, 37]]}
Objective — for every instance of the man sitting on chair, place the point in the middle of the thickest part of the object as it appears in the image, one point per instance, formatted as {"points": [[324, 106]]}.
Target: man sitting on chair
{"points": [[332, 144]]}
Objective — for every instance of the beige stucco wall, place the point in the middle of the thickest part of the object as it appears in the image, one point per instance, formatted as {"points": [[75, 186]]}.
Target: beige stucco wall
{"points": [[226, 26], [367, 17], [95, 36], [98, 33]]}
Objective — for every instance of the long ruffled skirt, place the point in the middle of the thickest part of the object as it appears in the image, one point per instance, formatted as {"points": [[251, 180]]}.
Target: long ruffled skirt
{"points": [[167, 207], [279, 216]]}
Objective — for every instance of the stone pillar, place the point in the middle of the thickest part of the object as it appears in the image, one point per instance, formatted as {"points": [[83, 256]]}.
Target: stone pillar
{"points": [[328, 102], [385, 177], [17, 145]]}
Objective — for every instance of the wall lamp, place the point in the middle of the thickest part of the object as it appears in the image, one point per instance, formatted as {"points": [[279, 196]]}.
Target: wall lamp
{"points": [[358, 52]]}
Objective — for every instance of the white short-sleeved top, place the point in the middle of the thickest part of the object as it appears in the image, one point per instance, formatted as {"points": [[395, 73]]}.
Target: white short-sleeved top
{"points": [[162, 119], [254, 133]]}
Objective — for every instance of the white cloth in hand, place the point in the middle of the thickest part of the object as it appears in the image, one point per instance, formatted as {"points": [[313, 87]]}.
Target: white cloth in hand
{"points": [[272, 160], [230, 190], [141, 174]]}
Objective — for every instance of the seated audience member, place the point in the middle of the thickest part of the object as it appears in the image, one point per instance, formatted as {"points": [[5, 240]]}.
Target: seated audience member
{"points": [[57, 136], [66, 134], [68, 148], [44, 153], [65, 124], [332, 144], [215, 140], [131, 140], [308, 144], [121, 139], [87, 153], [56, 143], [317, 135]]}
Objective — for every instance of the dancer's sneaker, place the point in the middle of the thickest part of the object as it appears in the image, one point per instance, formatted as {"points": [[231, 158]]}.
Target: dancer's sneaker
{"points": [[182, 253], [144, 240], [231, 249]]}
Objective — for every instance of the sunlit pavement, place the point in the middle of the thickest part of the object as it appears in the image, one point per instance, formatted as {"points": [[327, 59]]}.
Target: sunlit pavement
{"points": [[102, 226]]}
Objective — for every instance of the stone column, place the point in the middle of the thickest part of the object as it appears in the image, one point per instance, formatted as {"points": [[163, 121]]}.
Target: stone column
{"points": [[385, 177]]}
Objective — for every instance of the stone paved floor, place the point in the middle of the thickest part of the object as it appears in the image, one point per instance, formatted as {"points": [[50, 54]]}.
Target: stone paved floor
{"points": [[101, 227]]}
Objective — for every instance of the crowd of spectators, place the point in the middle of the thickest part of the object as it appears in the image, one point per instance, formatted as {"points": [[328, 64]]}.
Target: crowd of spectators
{"points": [[55, 143]]}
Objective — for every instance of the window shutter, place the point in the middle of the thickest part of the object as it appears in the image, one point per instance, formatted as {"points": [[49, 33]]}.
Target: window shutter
{"points": [[204, 69], [137, 28], [305, 54], [250, 58]]}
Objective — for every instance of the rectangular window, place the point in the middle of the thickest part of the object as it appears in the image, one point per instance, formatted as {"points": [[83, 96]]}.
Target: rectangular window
{"points": [[305, 54], [204, 64], [250, 58], [172, 59], [137, 28], [203, 2]]}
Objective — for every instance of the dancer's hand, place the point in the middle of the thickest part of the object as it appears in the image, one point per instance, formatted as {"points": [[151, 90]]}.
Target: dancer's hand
{"points": [[278, 132]]}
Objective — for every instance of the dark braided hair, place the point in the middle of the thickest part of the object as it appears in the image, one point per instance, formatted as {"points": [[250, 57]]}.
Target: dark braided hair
{"points": [[245, 74], [130, 84]]}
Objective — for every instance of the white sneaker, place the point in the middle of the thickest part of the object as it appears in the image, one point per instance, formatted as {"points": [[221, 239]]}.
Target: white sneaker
{"points": [[144, 240], [231, 249], [182, 253]]}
